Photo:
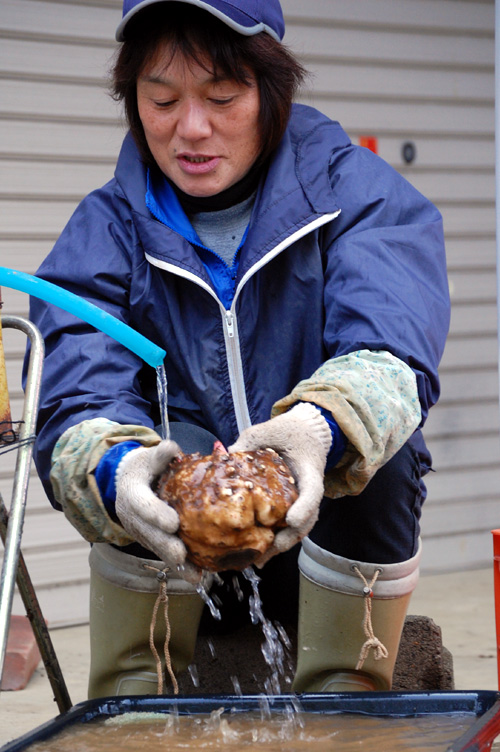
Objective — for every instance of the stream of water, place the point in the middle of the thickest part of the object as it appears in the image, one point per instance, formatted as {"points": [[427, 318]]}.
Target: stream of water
{"points": [[276, 643], [276, 646], [162, 388]]}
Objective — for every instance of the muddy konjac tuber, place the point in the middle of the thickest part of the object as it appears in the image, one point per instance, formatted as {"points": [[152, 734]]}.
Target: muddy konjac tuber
{"points": [[229, 505]]}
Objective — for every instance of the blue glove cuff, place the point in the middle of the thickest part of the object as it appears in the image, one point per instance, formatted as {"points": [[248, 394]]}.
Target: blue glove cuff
{"points": [[105, 473], [339, 441]]}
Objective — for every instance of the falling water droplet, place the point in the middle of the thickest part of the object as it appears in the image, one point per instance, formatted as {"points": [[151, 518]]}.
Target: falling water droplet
{"points": [[206, 598], [236, 686], [237, 588], [193, 673]]}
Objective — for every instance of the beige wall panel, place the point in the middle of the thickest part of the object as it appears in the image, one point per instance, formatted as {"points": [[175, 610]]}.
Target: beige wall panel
{"points": [[472, 286], [15, 303], [401, 83], [64, 605], [23, 253], [72, 20], [436, 151], [357, 45], [456, 186], [471, 253], [475, 352], [13, 378], [58, 179], [80, 103], [469, 220], [37, 500], [72, 141], [401, 117], [467, 516], [14, 342], [454, 553], [48, 527], [8, 461], [465, 484], [34, 219], [45, 566], [456, 385], [474, 319], [481, 449], [34, 60], [447, 15], [452, 421]]}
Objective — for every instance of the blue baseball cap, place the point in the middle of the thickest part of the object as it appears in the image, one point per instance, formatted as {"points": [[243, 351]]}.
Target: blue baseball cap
{"points": [[247, 17]]}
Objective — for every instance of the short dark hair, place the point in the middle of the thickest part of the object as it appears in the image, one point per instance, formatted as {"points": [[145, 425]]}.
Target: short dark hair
{"points": [[201, 37]]}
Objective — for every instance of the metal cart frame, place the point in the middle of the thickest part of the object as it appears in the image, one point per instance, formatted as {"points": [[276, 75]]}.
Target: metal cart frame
{"points": [[12, 521]]}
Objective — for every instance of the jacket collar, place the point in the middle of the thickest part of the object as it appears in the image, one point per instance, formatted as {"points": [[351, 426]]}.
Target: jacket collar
{"points": [[295, 191]]}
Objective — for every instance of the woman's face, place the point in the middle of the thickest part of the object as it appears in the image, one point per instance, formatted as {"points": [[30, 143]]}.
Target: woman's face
{"points": [[203, 133]]}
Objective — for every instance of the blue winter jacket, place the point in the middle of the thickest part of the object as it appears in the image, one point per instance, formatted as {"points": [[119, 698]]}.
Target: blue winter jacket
{"points": [[342, 254]]}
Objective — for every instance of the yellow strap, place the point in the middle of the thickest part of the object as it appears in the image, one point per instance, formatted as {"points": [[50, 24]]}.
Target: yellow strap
{"points": [[5, 414]]}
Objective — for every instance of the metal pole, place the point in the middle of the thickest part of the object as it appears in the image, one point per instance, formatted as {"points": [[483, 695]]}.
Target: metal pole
{"points": [[40, 630], [21, 477], [497, 159]]}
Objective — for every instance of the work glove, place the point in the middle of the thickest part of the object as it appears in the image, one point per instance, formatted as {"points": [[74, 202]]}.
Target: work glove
{"points": [[302, 438], [149, 520]]}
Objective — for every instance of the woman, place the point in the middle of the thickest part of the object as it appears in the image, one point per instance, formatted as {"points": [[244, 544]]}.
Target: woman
{"points": [[286, 273]]}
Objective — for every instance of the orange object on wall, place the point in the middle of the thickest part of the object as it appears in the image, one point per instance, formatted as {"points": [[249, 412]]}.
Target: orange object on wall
{"points": [[369, 142], [496, 565]]}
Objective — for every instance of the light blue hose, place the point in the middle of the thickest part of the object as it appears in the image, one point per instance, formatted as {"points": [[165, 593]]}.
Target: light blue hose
{"points": [[82, 309]]}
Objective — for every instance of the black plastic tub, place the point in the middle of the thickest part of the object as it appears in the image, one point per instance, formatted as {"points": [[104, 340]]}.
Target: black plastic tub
{"points": [[478, 704]]}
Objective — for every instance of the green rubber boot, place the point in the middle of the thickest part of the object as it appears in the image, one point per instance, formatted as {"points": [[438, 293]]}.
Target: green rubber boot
{"points": [[123, 594], [349, 627]]}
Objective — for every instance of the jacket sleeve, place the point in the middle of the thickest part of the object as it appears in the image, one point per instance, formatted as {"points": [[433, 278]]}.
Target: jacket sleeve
{"points": [[386, 285], [373, 398], [74, 461], [87, 374], [386, 306]]}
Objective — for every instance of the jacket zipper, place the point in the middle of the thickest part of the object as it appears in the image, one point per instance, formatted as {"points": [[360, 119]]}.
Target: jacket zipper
{"points": [[229, 318], [235, 367], [231, 324]]}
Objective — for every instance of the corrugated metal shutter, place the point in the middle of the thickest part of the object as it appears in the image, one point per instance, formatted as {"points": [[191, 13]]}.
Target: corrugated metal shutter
{"points": [[418, 71]]}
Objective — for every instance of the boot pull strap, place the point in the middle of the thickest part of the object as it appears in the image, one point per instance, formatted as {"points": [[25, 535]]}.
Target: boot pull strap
{"points": [[372, 642], [161, 575]]}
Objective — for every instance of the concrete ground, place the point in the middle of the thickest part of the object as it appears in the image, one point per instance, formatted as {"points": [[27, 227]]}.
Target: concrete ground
{"points": [[462, 604]]}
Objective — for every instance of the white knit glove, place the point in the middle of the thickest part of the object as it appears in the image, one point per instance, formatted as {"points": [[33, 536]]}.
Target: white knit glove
{"points": [[303, 438], [149, 520]]}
